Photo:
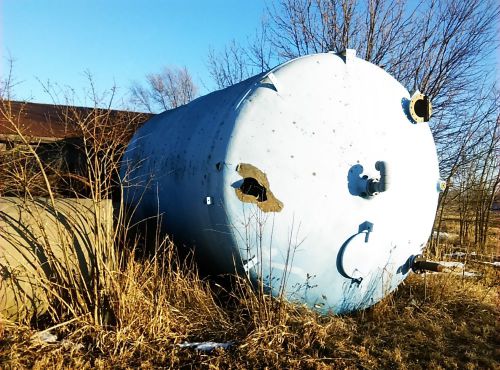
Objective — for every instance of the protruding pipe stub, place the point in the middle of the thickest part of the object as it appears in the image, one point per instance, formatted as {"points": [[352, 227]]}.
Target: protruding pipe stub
{"points": [[419, 264], [441, 186], [420, 107], [374, 186]]}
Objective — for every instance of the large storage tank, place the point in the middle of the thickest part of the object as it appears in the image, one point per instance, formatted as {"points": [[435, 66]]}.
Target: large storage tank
{"points": [[318, 179]]}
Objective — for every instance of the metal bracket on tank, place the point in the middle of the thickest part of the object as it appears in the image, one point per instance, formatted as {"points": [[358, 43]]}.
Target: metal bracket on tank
{"points": [[367, 227], [347, 55], [271, 82]]}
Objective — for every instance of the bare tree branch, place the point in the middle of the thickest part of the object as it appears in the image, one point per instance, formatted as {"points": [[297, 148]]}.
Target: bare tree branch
{"points": [[166, 90]]}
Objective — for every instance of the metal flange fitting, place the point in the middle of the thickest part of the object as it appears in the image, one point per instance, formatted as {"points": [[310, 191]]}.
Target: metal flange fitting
{"points": [[420, 107]]}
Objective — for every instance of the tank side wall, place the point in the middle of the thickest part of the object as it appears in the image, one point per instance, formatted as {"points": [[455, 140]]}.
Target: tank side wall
{"points": [[173, 167]]}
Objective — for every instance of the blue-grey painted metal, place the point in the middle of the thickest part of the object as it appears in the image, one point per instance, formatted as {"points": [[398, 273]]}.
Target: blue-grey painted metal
{"points": [[313, 179]]}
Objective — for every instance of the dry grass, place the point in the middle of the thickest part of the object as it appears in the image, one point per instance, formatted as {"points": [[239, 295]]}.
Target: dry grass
{"points": [[154, 305], [432, 321]]}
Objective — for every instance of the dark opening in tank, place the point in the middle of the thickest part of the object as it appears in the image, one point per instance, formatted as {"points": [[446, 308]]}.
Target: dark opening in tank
{"points": [[421, 108], [252, 187]]}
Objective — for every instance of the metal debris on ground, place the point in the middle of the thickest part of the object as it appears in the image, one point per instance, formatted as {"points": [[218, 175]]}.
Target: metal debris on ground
{"points": [[206, 346], [45, 336]]}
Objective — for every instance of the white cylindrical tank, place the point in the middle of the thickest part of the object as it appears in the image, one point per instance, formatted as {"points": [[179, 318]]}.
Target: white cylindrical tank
{"points": [[319, 179]]}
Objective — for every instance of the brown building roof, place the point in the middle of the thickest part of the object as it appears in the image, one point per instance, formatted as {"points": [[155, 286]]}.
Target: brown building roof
{"points": [[47, 122]]}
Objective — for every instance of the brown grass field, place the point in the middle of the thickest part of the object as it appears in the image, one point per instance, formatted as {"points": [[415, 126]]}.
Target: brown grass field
{"points": [[432, 321]]}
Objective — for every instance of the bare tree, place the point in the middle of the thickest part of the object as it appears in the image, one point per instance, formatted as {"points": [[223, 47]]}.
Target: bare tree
{"points": [[439, 47], [436, 46], [228, 66], [165, 90], [8, 81], [237, 62]]}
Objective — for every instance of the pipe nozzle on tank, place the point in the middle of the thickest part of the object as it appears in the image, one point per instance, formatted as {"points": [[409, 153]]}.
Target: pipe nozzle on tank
{"points": [[419, 264], [420, 107], [374, 186]]}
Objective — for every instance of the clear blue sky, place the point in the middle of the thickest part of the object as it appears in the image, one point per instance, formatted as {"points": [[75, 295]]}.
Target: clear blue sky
{"points": [[117, 41]]}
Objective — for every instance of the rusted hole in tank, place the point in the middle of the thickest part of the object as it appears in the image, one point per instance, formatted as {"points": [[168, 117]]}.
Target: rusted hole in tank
{"points": [[255, 189], [252, 187]]}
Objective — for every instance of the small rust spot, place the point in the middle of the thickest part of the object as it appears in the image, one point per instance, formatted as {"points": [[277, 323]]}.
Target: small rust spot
{"points": [[255, 189]]}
